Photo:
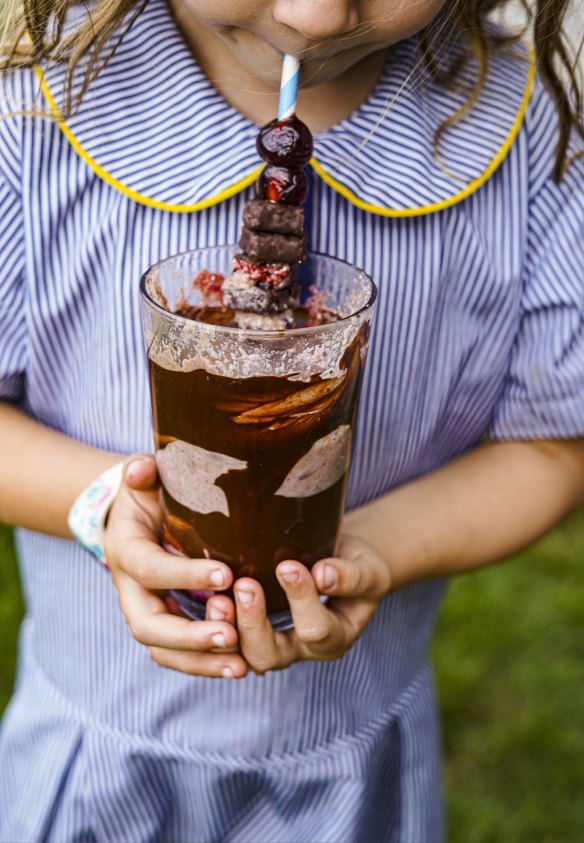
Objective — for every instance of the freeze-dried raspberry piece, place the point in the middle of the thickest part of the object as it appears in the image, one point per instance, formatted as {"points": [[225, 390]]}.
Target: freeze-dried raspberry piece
{"points": [[265, 274], [210, 283], [315, 306]]}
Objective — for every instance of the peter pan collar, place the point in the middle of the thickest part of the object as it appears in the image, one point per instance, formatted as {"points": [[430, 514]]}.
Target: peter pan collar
{"points": [[153, 127]]}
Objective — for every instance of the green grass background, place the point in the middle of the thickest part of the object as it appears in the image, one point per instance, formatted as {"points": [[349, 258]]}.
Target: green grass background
{"points": [[509, 656]]}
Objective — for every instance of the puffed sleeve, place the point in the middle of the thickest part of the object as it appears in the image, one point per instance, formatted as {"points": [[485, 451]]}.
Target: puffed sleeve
{"points": [[543, 396], [13, 339]]}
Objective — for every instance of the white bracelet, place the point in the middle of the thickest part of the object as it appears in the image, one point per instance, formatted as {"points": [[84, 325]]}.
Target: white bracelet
{"points": [[89, 513]]}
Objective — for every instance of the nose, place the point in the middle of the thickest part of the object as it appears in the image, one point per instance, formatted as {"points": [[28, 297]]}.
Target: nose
{"points": [[317, 19]]}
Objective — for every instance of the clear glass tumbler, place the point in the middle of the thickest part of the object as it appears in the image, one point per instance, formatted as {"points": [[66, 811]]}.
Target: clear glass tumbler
{"points": [[253, 429]]}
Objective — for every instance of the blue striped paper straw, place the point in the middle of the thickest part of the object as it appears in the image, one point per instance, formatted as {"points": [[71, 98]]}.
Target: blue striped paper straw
{"points": [[288, 87]]}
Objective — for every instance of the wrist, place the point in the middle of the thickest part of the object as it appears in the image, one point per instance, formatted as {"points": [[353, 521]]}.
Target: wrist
{"points": [[404, 553], [88, 515]]}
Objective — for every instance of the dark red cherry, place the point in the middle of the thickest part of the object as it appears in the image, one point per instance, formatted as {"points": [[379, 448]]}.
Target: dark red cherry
{"points": [[285, 143], [282, 184]]}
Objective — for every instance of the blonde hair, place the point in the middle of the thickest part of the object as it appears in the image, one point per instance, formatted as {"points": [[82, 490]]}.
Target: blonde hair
{"points": [[96, 38]]}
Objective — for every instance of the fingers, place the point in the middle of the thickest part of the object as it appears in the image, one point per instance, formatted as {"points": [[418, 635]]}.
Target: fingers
{"points": [[197, 647], [152, 625], [322, 632], [155, 569], [136, 508], [199, 664], [220, 608], [357, 572], [140, 567], [141, 486], [257, 640], [140, 472], [319, 631]]}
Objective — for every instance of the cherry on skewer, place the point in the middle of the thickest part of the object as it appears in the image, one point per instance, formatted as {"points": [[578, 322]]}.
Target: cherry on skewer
{"points": [[285, 143], [282, 184]]}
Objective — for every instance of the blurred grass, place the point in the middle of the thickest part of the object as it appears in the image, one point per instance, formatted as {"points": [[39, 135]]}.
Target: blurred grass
{"points": [[11, 611], [509, 656]]}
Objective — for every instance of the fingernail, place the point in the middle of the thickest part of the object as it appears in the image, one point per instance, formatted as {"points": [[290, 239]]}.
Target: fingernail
{"points": [[217, 577], [216, 615], [288, 573], [218, 639], [245, 597], [329, 576], [227, 672], [131, 468]]}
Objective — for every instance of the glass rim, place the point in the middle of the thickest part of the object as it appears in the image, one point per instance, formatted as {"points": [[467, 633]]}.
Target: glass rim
{"points": [[254, 333]]}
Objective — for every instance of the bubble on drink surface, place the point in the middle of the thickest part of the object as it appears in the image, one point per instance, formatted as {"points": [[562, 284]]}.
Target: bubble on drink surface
{"points": [[188, 473], [320, 467]]}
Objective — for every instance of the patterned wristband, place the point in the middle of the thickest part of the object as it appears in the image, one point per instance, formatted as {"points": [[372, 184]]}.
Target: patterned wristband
{"points": [[88, 514]]}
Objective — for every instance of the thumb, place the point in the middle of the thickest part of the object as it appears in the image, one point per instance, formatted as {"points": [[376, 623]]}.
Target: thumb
{"points": [[141, 484], [140, 472]]}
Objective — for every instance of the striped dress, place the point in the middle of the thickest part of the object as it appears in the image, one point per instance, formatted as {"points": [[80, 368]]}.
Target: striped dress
{"points": [[478, 260]]}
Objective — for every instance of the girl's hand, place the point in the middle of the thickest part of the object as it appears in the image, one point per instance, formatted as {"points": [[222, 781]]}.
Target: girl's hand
{"points": [[140, 568], [356, 582]]}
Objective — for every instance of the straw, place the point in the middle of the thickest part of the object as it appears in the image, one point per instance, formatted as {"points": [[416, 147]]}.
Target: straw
{"points": [[288, 87]]}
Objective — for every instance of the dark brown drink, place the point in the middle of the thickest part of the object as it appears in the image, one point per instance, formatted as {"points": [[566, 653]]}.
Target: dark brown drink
{"points": [[286, 496]]}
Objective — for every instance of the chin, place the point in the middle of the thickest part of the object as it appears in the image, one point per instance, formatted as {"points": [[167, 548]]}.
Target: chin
{"points": [[315, 71], [318, 71]]}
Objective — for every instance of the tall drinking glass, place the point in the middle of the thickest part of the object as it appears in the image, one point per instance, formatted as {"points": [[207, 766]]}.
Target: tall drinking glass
{"points": [[253, 429]]}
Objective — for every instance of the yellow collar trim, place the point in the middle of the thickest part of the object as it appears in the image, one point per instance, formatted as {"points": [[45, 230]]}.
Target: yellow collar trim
{"points": [[324, 175]]}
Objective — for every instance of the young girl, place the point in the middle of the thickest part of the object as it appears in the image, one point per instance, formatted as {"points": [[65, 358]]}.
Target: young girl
{"points": [[441, 168]]}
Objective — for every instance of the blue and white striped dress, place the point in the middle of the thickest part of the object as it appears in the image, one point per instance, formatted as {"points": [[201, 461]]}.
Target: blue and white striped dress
{"points": [[479, 329]]}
